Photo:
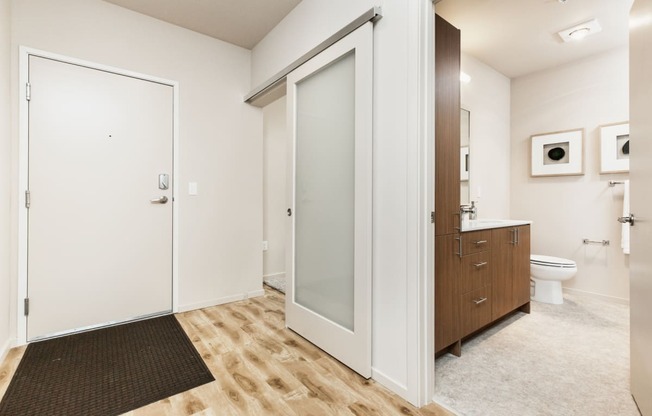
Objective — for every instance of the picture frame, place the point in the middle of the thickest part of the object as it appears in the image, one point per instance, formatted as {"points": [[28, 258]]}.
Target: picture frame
{"points": [[464, 163], [614, 148], [557, 154]]}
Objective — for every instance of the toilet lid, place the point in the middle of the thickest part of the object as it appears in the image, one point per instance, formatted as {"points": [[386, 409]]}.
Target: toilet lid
{"points": [[551, 261]]}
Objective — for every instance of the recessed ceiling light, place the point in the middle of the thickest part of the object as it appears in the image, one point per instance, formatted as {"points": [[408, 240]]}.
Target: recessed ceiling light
{"points": [[580, 31]]}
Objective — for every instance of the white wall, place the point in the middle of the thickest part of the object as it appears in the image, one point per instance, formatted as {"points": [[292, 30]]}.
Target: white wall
{"points": [[5, 175], [487, 97], [274, 186], [566, 209], [220, 230], [402, 194]]}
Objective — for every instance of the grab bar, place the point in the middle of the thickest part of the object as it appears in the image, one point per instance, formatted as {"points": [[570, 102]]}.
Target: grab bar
{"points": [[603, 242]]}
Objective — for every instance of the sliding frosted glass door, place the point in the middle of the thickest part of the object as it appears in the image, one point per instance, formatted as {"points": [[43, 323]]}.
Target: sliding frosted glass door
{"points": [[329, 260]]}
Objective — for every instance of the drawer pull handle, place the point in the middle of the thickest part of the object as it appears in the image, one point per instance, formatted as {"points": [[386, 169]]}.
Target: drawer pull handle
{"points": [[479, 301], [478, 265], [477, 243]]}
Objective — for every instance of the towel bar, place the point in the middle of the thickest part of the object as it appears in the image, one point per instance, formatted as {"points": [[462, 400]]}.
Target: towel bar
{"points": [[603, 242]]}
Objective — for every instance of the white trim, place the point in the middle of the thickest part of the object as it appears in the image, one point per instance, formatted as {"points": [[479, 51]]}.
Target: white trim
{"points": [[274, 275], [389, 383], [176, 192], [426, 200], [222, 301], [611, 299], [23, 170]]}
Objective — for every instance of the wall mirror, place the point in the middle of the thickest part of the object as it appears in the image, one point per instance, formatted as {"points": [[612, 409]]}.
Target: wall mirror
{"points": [[465, 141]]}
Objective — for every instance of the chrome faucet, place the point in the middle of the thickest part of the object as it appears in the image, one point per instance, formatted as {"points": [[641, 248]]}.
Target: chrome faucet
{"points": [[472, 210]]}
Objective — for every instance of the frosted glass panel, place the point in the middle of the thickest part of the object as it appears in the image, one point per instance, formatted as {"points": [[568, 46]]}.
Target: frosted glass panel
{"points": [[324, 204]]}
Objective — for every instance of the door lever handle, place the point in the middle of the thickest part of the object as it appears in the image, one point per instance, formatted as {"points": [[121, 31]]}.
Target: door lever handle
{"points": [[161, 200], [625, 220]]}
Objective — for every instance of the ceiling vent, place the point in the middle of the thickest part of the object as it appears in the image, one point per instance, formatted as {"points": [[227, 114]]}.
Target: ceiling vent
{"points": [[580, 31]]}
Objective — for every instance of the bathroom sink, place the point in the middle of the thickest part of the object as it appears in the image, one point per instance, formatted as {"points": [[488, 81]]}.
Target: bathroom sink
{"points": [[487, 222], [481, 224]]}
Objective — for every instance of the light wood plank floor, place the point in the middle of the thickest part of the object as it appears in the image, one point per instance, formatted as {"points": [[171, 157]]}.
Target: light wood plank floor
{"points": [[261, 368]]}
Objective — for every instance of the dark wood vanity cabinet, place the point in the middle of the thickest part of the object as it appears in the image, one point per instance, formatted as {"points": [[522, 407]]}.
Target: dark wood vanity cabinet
{"points": [[510, 254], [475, 294], [480, 276]]}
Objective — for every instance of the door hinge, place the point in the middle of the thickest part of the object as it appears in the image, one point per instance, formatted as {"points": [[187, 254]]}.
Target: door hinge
{"points": [[28, 91], [28, 199], [26, 306], [432, 217]]}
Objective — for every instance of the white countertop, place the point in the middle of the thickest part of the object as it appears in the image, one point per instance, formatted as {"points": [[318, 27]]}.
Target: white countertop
{"points": [[486, 224]]}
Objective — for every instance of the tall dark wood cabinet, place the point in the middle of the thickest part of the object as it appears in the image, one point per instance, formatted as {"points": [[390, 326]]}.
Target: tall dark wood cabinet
{"points": [[447, 186], [447, 127]]}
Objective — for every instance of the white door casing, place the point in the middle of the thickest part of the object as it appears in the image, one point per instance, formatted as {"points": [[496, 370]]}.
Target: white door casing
{"points": [[329, 262], [640, 261], [99, 251]]}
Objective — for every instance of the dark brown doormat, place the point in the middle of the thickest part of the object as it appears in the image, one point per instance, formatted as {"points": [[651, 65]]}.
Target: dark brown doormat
{"points": [[105, 372]]}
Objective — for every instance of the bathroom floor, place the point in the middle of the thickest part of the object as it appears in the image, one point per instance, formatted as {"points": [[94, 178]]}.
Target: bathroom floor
{"points": [[275, 282], [570, 359]]}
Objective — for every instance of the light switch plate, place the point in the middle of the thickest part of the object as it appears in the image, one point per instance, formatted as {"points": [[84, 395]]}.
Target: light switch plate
{"points": [[265, 246], [192, 188]]}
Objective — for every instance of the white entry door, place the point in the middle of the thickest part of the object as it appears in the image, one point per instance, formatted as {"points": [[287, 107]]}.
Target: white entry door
{"points": [[99, 226], [328, 299], [640, 261]]}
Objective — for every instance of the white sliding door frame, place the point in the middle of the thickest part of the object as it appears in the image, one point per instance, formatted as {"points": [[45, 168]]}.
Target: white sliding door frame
{"points": [[23, 172]]}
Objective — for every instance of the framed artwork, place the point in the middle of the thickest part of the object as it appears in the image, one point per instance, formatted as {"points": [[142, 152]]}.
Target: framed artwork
{"points": [[557, 154], [614, 148], [464, 163]]}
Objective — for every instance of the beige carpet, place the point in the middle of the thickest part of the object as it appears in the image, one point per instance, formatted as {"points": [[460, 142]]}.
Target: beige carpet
{"points": [[275, 282], [570, 359]]}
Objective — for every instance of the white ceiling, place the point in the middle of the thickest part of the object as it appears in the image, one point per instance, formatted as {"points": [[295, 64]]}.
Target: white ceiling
{"points": [[518, 37], [241, 22]]}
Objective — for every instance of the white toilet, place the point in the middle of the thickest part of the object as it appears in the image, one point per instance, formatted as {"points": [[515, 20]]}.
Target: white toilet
{"points": [[548, 273]]}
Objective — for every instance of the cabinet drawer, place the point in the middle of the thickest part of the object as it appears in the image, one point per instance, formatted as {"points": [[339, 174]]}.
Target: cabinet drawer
{"points": [[476, 310], [476, 271], [475, 242]]}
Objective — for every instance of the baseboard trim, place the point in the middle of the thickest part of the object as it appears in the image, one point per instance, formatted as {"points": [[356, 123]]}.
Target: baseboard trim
{"points": [[222, 300], [443, 405], [281, 274], [389, 383], [612, 299]]}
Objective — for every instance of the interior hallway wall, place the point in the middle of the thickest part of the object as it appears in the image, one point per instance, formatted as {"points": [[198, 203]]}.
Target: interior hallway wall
{"points": [[487, 97], [275, 141], [5, 176], [402, 133], [566, 209], [220, 229]]}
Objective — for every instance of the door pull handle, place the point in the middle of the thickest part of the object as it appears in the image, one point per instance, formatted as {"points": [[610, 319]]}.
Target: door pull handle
{"points": [[161, 200], [478, 265]]}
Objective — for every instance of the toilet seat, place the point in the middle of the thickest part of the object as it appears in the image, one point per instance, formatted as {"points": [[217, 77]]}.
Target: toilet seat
{"points": [[549, 261]]}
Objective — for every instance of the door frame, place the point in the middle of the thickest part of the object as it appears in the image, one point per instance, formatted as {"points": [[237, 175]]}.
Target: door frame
{"points": [[23, 172]]}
